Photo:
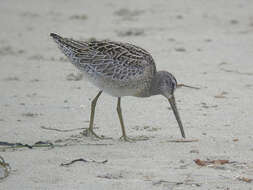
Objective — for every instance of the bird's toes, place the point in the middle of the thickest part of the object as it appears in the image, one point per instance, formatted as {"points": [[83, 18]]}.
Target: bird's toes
{"points": [[134, 139], [90, 133]]}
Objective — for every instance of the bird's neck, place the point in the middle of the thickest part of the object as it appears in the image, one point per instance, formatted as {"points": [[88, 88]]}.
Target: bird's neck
{"points": [[155, 85], [153, 89]]}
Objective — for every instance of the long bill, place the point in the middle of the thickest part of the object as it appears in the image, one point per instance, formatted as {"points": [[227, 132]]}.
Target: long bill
{"points": [[174, 108]]}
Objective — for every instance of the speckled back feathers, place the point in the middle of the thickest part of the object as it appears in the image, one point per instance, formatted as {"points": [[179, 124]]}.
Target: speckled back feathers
{"points": [[114, 60]]}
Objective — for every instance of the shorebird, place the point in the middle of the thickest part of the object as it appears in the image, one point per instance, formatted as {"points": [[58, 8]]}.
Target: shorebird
{"points": [[119, 69]]}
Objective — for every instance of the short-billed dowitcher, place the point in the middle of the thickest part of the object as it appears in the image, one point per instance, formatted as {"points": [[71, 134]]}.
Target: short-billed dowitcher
{"points": [[119, 69]]}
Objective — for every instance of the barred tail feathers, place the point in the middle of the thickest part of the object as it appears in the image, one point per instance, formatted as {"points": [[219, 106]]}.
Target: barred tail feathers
{"points": [[74, 50]]}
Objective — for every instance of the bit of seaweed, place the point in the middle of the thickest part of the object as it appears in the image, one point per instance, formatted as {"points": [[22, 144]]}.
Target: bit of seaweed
{"points": [[42, 144], [83, 160], [21, 145]]}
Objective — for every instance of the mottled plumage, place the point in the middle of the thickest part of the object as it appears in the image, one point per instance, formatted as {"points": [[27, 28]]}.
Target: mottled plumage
{"points": [[120, 69], [112, 66]]}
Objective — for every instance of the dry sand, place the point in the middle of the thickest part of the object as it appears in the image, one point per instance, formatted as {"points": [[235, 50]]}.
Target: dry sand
{"points": [[208, 44]]}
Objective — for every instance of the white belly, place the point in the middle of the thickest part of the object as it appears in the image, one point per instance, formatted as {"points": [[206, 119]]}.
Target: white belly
{"points": [[112, 88]]}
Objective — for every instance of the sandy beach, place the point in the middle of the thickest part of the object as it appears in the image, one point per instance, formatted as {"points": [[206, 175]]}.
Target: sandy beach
{"points": [[207, 44]]}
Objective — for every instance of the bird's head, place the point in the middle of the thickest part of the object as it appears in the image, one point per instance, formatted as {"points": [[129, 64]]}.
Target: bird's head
{"points": [[165, 84]]}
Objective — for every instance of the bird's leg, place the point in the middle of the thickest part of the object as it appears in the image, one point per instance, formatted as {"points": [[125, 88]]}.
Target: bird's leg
{"points": [[124, 137], [89, 131]]}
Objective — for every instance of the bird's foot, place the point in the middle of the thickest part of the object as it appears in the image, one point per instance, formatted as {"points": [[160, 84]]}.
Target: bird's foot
{"points": [[90, 133], [128, 139]]}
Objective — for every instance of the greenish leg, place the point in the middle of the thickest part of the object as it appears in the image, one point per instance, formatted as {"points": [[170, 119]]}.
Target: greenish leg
{"points": [[122, 123], [124, 136], [89, 131]]}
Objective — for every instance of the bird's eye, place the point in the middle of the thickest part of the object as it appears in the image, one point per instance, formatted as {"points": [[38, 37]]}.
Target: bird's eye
{"points": [[174, 86]]}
